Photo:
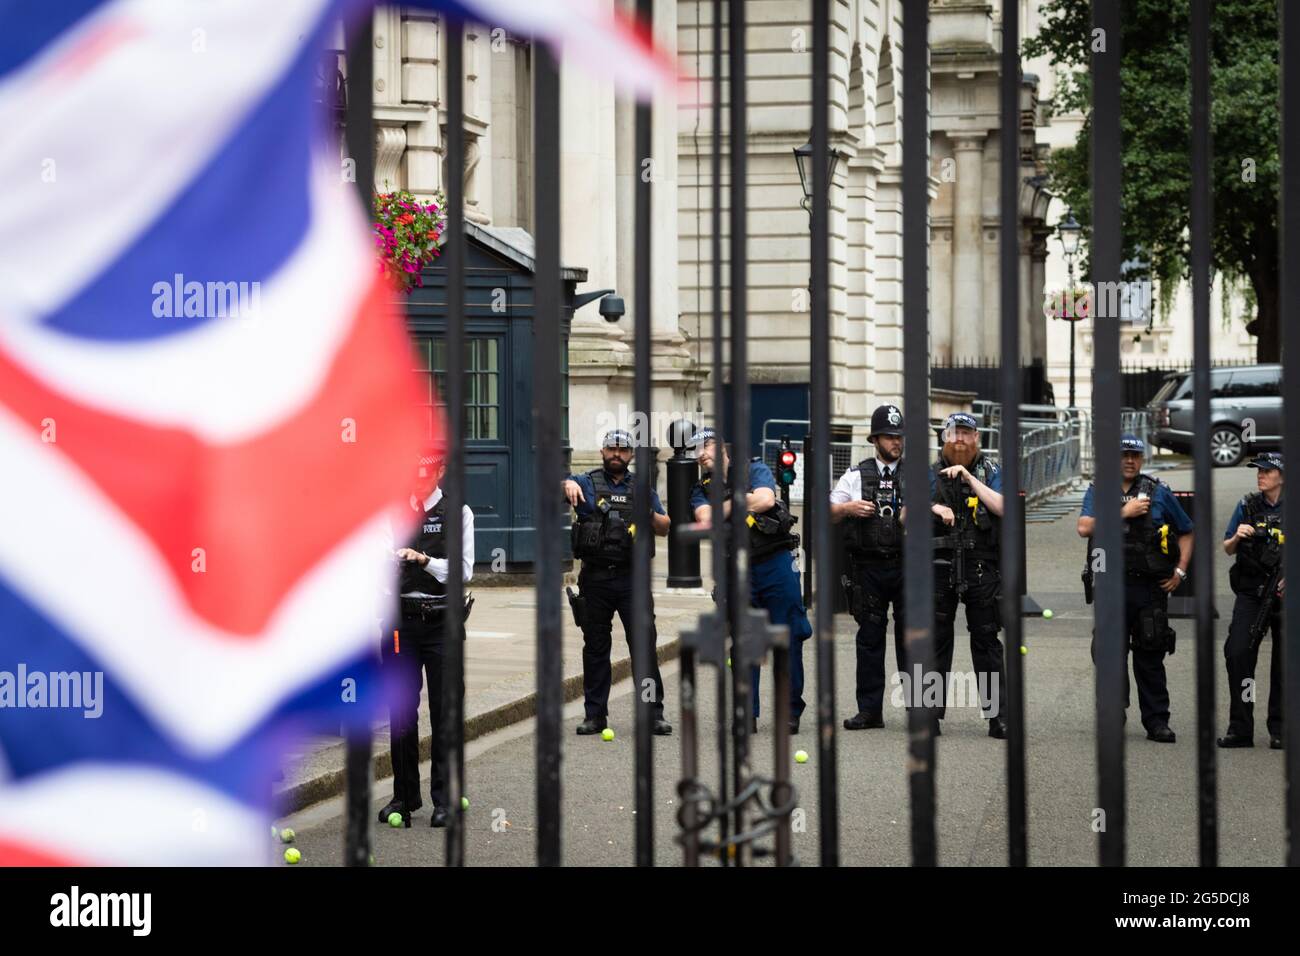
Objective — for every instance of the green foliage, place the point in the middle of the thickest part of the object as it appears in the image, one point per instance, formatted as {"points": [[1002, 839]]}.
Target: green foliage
{"points": [[1156, 125]]}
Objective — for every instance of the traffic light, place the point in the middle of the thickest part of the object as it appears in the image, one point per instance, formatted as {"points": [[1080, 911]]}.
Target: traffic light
{"points": [[788, 458]]}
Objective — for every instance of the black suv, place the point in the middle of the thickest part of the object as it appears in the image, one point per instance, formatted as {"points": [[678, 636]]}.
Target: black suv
{"points": [[1245, 411]]}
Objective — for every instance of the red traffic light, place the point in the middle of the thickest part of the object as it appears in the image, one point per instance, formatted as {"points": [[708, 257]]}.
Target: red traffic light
{"points": [[788, 458]]}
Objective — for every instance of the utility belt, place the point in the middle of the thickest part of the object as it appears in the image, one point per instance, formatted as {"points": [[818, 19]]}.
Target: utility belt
{"points": [[596, 568], [430, 610]]}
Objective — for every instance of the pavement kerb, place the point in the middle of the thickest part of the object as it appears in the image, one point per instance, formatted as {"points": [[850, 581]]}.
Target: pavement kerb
{"points": [[330, 783]]}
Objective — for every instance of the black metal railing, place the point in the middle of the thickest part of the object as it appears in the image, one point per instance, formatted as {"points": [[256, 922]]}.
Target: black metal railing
{"points": [[748, 807]]}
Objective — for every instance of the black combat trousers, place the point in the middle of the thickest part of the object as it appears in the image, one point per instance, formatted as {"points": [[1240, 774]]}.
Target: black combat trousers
{"points": [[881, 585], [1242, 654], [607, 591], [983, 598], [415, 653]]}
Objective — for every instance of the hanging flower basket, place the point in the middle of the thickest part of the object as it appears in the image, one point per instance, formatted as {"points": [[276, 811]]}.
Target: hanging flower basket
{"points": [[1072, 305], [408, 235]]}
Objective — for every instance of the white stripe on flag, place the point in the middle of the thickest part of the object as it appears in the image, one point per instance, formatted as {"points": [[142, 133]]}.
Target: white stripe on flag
{"points": [[128, 134], [129, 815]]}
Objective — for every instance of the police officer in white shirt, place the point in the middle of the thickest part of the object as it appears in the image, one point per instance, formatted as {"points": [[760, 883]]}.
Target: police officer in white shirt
{"points": [[416, 645], [869, 497]]}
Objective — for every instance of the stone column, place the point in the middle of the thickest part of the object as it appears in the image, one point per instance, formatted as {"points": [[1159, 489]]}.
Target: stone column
{"points": [[1037, 292], [967, 245]]}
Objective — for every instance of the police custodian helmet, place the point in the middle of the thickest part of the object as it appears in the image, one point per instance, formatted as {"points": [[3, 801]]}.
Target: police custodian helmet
{"points": [[886, 420]]}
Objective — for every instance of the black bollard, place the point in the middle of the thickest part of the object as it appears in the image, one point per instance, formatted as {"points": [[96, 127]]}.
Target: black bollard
{"points": [[683, 472]]}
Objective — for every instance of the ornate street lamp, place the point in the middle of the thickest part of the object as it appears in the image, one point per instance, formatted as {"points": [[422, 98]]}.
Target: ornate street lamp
{"points": [[803, 159], [1069, 232]]}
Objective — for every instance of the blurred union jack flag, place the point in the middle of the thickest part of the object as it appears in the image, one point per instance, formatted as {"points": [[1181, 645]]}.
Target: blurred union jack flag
{"points": [[206, 412]]}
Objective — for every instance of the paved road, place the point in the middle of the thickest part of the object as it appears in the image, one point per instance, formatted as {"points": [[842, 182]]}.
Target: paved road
{"points": [[874, 815]]}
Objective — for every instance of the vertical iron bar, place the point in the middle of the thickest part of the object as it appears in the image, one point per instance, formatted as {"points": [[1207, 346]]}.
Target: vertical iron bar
{"points": [[1289, 220], [453, 690], [918, 561], [1105, 248], [718, 535], [818, 492], [1013, 516], [360, 58], [781, 745], [547, 323], [1202, 224], [739, 565], [642, 648]]}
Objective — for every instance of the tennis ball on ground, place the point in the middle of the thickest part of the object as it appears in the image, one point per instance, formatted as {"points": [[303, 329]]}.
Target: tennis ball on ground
{"points": [[395, 819], [1047, 613], [607, 733], [801, 756], [287, 835], [292, 855], [464, 803], [1023, 649]]}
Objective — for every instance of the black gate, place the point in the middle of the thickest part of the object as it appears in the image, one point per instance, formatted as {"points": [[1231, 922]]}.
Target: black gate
{"points": [[733, 818]]}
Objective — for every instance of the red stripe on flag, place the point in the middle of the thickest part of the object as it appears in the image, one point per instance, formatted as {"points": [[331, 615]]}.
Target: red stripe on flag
{"points": [[13, 853], [265, 510]]}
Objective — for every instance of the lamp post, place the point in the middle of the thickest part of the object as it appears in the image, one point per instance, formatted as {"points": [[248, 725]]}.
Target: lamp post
{"points": [[803, 158], [1068, 231]]}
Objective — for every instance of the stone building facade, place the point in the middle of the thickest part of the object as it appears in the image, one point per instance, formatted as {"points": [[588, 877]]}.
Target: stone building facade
{"points": [[598, 168]]}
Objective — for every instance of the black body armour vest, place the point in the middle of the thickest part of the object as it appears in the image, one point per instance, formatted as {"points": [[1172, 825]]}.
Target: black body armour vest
{"points": [[972, 518], [1148, 549], [430, 539], [879, 537], [1252, 567], [604, 536], [770, 532]]}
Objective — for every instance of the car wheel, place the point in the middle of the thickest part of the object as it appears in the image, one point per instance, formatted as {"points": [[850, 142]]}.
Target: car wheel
{"points": [[1226, 447]]}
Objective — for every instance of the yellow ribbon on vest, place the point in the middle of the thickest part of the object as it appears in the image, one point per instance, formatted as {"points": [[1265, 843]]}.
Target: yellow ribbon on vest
{"points": [[1164, 539]]}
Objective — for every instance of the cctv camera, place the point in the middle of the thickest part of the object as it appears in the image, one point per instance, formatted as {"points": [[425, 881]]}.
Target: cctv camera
{"points": [[611, 307]]}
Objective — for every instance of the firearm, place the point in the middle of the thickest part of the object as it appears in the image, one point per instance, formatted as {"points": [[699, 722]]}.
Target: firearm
{"points": [[578, 604], [959, 542], [1272, 560], [1087, 576]]}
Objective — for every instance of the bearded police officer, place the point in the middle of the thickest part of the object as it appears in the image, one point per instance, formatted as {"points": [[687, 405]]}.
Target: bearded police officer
{"points": [[603, 532], [416, 645], [966, 501], [773, 580], [1254, 535], [869, 499], [1157, 549]]}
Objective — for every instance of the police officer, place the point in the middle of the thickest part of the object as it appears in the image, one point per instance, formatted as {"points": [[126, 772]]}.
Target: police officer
{"points": [[416, 645], [602, 539], [1157, 549], [1254, 535], [869, 498], [966, 501], [773, 580]]}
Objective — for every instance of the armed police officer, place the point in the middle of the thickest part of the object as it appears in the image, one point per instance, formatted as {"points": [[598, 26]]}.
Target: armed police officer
{"points": [[416, 646], [602, 536], [773, 580], [966, 502], [1254, 536], [869, 499], [1157, 549]]}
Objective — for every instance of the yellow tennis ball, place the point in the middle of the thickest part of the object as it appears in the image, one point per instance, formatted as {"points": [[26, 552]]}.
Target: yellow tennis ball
{"points": [[801, 756], [1047, 613], [1023, 649], [395, 819], [607, 733], [287, 835], [464, 803], [292, 855]]}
